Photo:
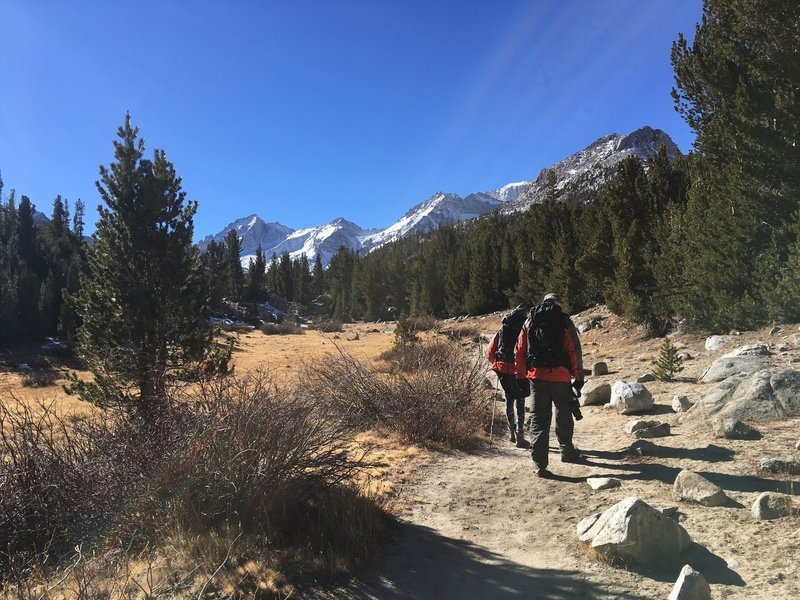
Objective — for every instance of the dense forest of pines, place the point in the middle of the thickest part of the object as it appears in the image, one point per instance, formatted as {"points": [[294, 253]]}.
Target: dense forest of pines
{"points": [[40, 261], [711, 237]]}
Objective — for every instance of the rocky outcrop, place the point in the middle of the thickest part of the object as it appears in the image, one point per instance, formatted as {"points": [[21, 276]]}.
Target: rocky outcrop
{"points": [[632, 531], [764, 395]]}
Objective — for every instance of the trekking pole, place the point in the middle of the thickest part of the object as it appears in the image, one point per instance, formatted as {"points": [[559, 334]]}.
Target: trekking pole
{"points": [[494, 408]]}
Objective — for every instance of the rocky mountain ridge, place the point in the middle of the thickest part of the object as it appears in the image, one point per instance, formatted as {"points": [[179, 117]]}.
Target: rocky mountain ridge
{"points": [[580, 174]]}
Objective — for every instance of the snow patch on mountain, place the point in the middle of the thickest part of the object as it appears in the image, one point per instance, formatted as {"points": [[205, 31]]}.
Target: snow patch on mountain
{"points": [[577, 175]]}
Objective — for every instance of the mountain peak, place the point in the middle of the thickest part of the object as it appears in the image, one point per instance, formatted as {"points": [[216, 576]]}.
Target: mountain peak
{"points": [[577, 175]]}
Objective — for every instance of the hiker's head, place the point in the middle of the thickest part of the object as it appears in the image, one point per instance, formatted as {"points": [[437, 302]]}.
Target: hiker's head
{"points": [[553, 299]]}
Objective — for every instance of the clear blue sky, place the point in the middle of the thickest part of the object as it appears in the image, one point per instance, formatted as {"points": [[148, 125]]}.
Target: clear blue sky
{"points": [[306, 110]]}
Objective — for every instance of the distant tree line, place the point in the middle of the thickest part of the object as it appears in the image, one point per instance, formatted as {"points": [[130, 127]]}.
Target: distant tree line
{"points": [[40, 262], [290, 280], [621, 248]]}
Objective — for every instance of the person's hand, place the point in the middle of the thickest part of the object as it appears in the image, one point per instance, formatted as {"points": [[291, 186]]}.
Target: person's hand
{"points": [[577, 385]]}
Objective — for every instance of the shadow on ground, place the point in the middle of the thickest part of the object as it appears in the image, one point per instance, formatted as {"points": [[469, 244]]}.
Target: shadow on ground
{"points": [[714, 568], [709, 453], [426, 565]]}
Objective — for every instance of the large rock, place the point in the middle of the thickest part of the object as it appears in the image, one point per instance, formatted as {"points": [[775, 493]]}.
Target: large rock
{"points": [[642, 428], [602, 483], [637, 424], [764, 395], [715, 343], [629, 397], [771, 505], [632, 531], [744, 359], [600, 368], [733, 429], [696, 488], [595, 392], [729, 366], [656, 431], [781, 466], [691, 585], [681, 403]]}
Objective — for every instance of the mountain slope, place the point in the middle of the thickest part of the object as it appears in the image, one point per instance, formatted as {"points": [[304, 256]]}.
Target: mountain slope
{"points": [[587, 170], [580, 175]]}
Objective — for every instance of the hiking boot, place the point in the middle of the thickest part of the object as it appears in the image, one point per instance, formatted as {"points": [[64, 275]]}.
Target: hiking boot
{"points": [[521, 443], [513, 437], [571, 456], [543, 473]]}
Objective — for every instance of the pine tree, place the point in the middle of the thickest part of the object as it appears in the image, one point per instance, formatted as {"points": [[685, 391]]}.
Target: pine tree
{"points": [[317, 277], [234, 271], [669, 362], [256, 277], [737, 88], [143, 306]]}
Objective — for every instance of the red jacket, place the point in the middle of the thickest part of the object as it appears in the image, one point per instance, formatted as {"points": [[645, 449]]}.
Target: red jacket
{"points": [[572, 345], [499, 365]]}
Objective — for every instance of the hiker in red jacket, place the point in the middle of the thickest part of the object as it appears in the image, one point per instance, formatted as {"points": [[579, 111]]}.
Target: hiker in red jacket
{"points": [[548, 352], [501, 359]]}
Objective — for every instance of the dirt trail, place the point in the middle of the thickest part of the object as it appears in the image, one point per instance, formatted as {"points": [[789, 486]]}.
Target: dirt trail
{"points": [[484, 526]]}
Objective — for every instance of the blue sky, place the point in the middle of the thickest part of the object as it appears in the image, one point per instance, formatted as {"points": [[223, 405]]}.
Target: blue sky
{"points": [[306, 110]]}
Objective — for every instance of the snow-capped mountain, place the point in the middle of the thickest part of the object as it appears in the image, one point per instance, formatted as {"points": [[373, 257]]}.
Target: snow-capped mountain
{"points": [[577, 175], [252, 231], [440, 209], [588, 169], [324, 240]]}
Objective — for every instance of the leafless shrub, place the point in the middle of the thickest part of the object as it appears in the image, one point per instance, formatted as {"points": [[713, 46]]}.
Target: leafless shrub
{"points": [[285, 328], [243, 456], [434, 397], [423, 323], [329, 326], [257, 453], [39, 378], [463, 331], [61, 479]]}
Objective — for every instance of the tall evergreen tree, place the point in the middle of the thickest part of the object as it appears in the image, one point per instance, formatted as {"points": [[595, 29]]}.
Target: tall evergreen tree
{"points": [[143, 305], [737, 88], [233, 260]]}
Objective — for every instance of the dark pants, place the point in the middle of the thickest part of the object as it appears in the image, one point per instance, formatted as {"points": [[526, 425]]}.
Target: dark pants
{"points": [[516, 390], [547, 394]]}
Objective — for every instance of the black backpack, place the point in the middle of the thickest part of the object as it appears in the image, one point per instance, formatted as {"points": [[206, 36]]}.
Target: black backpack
{"points": [[546, 337], [512, 325]]}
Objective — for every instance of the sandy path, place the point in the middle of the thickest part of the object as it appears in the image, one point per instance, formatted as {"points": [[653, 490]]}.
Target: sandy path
{"points": [[484, 526]]}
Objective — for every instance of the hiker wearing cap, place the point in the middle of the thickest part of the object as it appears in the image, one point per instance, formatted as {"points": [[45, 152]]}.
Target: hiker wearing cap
{"points": [[501, 359], [548, 353]]}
